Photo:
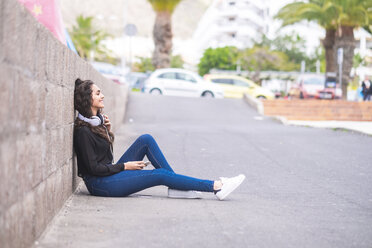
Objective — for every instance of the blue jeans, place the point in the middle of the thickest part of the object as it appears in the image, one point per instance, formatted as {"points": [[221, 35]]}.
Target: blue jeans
{"points": [[131, 181]]}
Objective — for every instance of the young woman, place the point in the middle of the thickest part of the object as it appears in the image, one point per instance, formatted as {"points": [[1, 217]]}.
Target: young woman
{"points": [[93, 142]]}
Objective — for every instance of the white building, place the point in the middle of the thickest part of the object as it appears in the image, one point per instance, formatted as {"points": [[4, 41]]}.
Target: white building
{"points": [[231, 23], [363, 47]]}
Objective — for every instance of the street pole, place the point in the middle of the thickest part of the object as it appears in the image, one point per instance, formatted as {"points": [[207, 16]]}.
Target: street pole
{"points": [[317, 64], [130, 30], [340, 58], [238, 67], [130, 53], [303, 66]]}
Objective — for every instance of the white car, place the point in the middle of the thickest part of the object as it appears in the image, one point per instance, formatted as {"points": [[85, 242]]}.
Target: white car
{"points": [[180, 82]]}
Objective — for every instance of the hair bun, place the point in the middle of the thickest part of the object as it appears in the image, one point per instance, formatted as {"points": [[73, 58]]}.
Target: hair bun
{"points": [[78, 82]]}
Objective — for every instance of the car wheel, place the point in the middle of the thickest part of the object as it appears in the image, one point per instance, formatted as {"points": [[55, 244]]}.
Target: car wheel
{"points": [[261, 97], [208, 94], [155, 92]]}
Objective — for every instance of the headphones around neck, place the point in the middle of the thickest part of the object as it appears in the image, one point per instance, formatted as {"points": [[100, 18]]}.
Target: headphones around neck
{"points": [[100, 117], [95, 120]]}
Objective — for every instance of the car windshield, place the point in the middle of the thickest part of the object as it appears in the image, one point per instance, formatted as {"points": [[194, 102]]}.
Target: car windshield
{"points": [[198, 77], [314, 81]]}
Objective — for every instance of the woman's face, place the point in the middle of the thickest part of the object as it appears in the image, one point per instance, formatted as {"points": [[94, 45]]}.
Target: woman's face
{"points": [[97, 98]]}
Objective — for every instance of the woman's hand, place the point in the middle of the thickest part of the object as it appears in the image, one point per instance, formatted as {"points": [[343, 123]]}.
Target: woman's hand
{"points": [[134, 165], [107, 122]]}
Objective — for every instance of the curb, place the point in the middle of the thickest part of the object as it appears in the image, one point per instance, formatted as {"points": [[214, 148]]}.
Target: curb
{"points": [[258, 106], [255, 103]]}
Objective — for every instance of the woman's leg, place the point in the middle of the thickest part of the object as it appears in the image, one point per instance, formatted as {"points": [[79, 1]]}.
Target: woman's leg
{"points": [[146, 145], [129, 182]]}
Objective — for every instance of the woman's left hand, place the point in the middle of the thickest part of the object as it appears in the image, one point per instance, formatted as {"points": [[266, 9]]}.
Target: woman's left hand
{"points": [[107, 122]]}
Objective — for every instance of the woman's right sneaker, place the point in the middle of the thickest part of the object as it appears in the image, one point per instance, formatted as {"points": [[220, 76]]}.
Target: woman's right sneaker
{"points": [[229, 185], [187, 194]]}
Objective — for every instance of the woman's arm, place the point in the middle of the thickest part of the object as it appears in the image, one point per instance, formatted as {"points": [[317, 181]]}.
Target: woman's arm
{"points": [[134, 165], [84, 143]]}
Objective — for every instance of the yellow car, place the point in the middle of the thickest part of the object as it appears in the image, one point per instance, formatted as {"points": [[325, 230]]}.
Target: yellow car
{"points": [[236, 87]]}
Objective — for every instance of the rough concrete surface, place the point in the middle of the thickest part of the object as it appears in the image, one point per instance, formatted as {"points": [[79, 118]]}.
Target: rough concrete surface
{"points": [[305, 187]]}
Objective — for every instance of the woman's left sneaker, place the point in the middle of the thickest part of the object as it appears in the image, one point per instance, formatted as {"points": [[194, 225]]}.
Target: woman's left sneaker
{"points": [[188, 194], [228, 186]]}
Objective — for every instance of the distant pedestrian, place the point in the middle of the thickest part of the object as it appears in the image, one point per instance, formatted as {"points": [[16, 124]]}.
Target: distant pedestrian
{"points": [[93, 142], [366, 89]]}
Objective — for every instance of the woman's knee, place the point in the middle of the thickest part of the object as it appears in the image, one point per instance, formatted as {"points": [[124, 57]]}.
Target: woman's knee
{"points": [[146, 138], [162, 175]]}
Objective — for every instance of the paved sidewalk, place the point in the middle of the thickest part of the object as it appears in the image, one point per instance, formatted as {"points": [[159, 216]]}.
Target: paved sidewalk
{"points": [[358, 126], [305, 187]]}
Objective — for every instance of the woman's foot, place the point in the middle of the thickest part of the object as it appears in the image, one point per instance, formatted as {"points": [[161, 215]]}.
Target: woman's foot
{"points": [[228, 186], [188, 194]]}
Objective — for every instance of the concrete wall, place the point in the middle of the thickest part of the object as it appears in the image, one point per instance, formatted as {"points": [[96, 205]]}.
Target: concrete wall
{"points": [[37, 167]]}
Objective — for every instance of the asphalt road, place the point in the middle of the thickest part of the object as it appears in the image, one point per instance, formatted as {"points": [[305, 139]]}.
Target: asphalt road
{"points": [[305, 187]]}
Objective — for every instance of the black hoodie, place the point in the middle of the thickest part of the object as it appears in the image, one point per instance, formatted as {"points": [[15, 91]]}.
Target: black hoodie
{"points": [[94, 156]]}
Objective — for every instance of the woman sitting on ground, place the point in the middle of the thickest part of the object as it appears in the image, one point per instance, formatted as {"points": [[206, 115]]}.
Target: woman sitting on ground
{"points": [[93, 142]]}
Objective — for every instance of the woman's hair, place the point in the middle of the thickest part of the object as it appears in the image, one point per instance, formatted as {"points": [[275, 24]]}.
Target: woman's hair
{"points": [[82, 103], [83, 97]]}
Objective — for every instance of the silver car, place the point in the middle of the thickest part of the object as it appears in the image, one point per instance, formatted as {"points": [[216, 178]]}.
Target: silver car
{"points": [[180, 82]]}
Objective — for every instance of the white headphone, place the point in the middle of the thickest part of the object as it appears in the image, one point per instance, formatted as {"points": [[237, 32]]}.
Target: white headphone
{"points": [[94, 120]]}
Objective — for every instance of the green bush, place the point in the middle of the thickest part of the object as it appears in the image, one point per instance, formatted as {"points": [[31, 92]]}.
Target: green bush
{"points": [[223, 58]]}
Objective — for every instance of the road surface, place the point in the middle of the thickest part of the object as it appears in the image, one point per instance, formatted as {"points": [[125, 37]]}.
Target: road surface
{"points": [[305, 187]]}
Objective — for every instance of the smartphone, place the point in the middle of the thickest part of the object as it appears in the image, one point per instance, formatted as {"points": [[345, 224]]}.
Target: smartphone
{"points": [[147, 163]]}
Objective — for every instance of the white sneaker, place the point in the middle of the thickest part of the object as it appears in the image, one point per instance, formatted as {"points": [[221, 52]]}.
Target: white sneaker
{"points": [[229, 185], [223, 179], [188, 194]]}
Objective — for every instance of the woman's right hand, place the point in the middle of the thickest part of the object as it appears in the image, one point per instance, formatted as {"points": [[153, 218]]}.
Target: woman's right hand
{"points": [[134, 165]]}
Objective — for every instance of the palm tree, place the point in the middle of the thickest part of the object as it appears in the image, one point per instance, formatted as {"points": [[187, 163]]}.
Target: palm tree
{"points": [[162, 32], [88, 40], [368, 28], [321, 11], [352, 14], [339, 18]]}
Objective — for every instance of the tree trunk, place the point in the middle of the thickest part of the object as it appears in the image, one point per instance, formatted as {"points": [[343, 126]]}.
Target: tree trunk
{"points": [[345, 39], [329, 47], [162, 35]]}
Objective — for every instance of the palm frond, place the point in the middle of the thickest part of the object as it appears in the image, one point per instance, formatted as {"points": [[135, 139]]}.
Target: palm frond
{"points": [[164, 5]]}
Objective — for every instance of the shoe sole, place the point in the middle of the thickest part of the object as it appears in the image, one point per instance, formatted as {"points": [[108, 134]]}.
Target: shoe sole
{"points": [[180, 194]]}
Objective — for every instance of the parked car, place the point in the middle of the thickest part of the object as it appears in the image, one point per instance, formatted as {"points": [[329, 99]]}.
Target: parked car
{"points": [[115, 78], [180, 82], [236, 87], [136, 80], [110, 71], [307, 86], [331, 89]]}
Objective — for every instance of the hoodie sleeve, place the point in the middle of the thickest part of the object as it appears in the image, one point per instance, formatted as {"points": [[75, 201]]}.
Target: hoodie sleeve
{"points": [[85, 144]]}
